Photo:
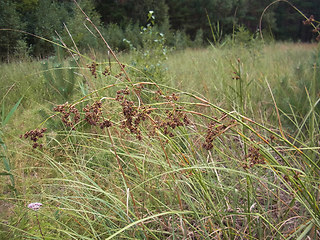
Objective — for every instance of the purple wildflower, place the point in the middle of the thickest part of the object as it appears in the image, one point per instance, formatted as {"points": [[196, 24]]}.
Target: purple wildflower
{"points": [[35, 206]]}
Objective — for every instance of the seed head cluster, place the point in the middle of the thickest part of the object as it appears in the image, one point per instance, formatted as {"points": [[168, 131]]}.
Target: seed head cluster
{"points": [[93, 69], [34, 136], [172, 97], [67, 111], [132, 116], [253, 157], [93, 113], [212, 132], [105, 124], [174, 118], [214, 129], [311, 21], [106, 71]]}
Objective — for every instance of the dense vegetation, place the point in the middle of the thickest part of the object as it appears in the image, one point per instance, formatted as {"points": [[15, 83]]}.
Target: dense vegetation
{"points": [[183, 22], [217, 142]]}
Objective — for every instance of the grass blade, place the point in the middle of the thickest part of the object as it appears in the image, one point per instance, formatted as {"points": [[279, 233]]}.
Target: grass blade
{"points": [[13, 109]]}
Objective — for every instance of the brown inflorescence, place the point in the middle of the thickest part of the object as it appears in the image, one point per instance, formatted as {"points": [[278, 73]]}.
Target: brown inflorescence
{"points": [[236, 76], [93, 69], [172, 97], [212, 132], [174, 118], [133, 116], [253, 157], [309, 20], [106, 71], [93, 113], [216, 128], [125, 91], [120, 73], [105, 124], [316, 29], [66, 110], [34, 136], [129, 112]]}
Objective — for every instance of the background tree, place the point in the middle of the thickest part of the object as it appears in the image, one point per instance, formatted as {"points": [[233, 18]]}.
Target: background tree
{"points": [[10, 41], [289, 21], [83, 34], [112, 12], [190, 15], [179, 20], [134, 11], [48, 18], [249, 13]]}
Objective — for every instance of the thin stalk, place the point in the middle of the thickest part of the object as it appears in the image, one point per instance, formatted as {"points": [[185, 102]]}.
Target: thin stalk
{"points": [[124, 177], [313, 100], [40, 227]]}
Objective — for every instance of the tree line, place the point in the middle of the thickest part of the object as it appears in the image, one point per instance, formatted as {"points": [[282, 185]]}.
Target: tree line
{"points": [[184, 22]]}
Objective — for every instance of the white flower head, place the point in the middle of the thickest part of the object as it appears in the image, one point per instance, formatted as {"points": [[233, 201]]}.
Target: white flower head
{"points": [[35, 206]]}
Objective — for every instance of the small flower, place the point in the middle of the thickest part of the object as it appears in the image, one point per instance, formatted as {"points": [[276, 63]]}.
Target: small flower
{"points": [[35, 206]]}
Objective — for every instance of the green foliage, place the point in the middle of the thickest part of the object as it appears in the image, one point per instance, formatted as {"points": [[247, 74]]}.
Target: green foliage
{"points": [[244, 38], [134, 11], [133, 36], [150, 56], [137, 159], [5, 118], [289, 24], [50, 20], [49, 17], [178, 162], [181, 40], [115, 36], [22, 50], [215, 20], [10, 41], [297, 94], [198, 40], [216, 32], [249, 13], [81, 32], [59, 80], [183, 14], [141, 7]]}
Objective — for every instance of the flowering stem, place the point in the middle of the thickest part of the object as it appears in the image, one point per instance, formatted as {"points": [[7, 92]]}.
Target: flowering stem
{"points": [[40, 227]]}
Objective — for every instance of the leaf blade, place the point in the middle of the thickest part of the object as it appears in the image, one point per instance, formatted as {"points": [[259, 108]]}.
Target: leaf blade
{"points": [[13, 109]]}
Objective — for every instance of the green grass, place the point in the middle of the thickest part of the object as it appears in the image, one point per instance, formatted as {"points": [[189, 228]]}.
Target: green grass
{"points": [[206, 159]]}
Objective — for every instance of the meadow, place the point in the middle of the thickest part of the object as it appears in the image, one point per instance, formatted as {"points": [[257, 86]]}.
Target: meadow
{"points": [[219, 142]]}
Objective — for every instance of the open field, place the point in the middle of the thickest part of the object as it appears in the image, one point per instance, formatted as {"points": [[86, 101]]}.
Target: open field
{"points": [[212, 143]]}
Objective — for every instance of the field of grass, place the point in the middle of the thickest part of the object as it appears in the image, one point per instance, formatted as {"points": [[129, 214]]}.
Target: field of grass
{"points": [[212, 143]]}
